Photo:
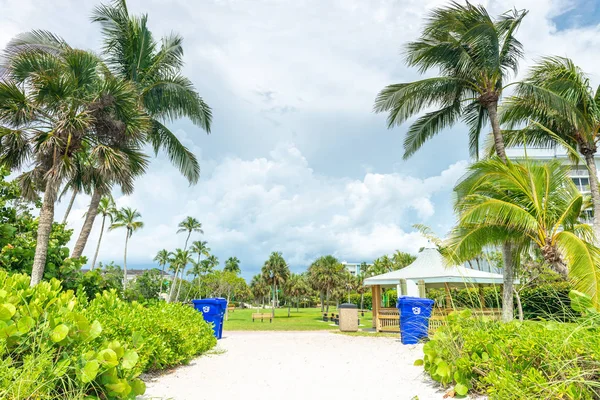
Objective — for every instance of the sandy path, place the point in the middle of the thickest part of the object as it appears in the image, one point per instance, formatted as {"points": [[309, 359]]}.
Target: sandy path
{"points": [[299, 365]]}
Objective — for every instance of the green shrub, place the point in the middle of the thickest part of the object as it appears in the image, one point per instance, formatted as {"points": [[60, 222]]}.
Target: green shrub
{"points": [[530, 360], [367, 300], [54, 344]]}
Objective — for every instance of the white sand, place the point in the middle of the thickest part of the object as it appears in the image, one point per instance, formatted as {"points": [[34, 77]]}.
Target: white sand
{"points": [[299, 365]]}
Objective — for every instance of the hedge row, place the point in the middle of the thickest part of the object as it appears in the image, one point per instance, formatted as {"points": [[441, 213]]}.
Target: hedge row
{"points": [[54, 344]]}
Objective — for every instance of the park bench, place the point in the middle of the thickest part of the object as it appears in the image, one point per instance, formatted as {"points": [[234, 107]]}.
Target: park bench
{"points": [[231, 308], [262, 316]]}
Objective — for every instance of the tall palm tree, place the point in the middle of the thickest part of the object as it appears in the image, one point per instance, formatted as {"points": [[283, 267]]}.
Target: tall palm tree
{"points": [[189, 225], [533, 205], [232, 265], [162, 258], [558, 106], [275, 272], [212, 262], [127, 218], [179, 260], [134, 54], [200, 248], [328, 272], [106, 208], [52, 102], [476, 55]]}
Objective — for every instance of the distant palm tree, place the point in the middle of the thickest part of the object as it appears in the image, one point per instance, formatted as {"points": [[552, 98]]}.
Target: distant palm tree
{"points": [[126, 218], [162, 258], [200, 248], [107, 209], [212, 262], [179, 260], [476, 55], [232, 265], [275, 272], [296, 287], [260, 288], [189, 225], [533, 205], [401, 259], [328, 272]]}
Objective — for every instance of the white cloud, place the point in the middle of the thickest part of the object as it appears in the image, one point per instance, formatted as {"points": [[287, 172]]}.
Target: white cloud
{"points": [[278, 203]]}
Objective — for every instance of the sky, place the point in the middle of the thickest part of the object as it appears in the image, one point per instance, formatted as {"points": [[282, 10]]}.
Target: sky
{"points": [[297, 161]]}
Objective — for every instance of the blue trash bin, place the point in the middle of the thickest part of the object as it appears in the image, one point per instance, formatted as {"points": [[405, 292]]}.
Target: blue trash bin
{"points": [[211, 311], [414, 318], [223, 303]]}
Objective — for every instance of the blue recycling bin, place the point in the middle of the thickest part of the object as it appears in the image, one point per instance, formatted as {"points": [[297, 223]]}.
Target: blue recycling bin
{"points": [[414, 318], [223, 303], [212, 312]]}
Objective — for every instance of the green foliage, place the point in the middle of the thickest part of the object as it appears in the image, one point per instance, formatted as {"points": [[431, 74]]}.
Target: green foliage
{"points": [[54, 344], [148, 284], [530, 360]]}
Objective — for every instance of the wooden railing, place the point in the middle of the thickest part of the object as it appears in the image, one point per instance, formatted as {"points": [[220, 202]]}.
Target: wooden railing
{"points": [[388, 319]]}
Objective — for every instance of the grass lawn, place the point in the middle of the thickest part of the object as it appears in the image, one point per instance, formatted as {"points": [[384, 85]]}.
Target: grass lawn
{"points": [[306, 319]]}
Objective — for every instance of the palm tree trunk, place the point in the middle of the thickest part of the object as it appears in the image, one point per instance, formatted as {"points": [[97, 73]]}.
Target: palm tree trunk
{"points": [[362, 299], [180, 282], [43, 233], [186, 240], [274, 291], [508, 271], [519, 305], [98, 247], [173, 284], [322, 301], [327, 300], [593, 172], [68, 211], [87, 225], [125, 261]]}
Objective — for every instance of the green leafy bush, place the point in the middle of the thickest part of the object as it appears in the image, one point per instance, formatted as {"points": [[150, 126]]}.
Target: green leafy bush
{"points": [[530, 360], [53, 345]]}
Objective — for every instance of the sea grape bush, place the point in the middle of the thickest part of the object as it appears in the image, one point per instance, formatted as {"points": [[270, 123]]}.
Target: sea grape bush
{"points": [[53, 344], [530, 360]]}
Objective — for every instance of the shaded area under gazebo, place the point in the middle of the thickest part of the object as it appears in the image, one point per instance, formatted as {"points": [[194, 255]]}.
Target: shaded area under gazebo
{"points": [[427, 272]]}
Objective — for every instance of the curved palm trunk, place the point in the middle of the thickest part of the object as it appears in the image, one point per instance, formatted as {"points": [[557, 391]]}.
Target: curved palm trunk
{"points": [[593, 172], [508, 271], [100, 241], [173, 284], [87, 225], [162, 272], [68, 211], [180, 283], [43, 233], [125, 261]]}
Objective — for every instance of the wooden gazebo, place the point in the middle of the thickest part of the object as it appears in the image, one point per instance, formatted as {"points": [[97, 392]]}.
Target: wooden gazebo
{"points": [[428, 271]]}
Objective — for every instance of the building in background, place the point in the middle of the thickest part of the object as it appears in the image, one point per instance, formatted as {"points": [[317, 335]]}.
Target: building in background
{"points": [[353, 268]]}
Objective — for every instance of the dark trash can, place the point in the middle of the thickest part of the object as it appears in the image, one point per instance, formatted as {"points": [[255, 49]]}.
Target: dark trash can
{"points": [[414, 318], [212, 311]]}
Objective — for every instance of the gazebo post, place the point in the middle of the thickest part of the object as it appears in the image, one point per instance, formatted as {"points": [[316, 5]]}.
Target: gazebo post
{"points": [[403, 290], [421, 285], [448, 296], [375, 300]]}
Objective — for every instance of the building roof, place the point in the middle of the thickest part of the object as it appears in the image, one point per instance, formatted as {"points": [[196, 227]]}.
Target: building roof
{"points": [[430, 267]]}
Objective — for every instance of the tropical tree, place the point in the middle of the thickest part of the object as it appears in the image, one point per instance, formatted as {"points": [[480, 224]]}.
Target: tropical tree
{"points": [[532, 205], [296, 287], [382, 265], [361, 288], [558, 106], [189, 225], [275, 272], [200, 248], [179, 260], [232, 265], [476, 55], [212, 262], [106, 208], [52, 103], [327, 273], [401, 259], [260, 288], [162, 259], [127, 218]]}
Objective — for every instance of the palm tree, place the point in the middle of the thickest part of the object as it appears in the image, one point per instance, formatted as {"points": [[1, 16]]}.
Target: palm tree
{"points": [[532, 205], [401, 259], [62, 93], [476, 55], [127, 218], [189, 225], [328, 272], [162, 258], [201, 248], [179, 260], [212, 262], [559, 106], [275, 272], [106, 208], [260, 289], [155, 68], [232, 265], [295, 287]]}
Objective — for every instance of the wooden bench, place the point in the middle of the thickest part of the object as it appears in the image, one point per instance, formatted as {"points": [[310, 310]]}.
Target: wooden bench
{"points": [[231, 308], [262, 316]]}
